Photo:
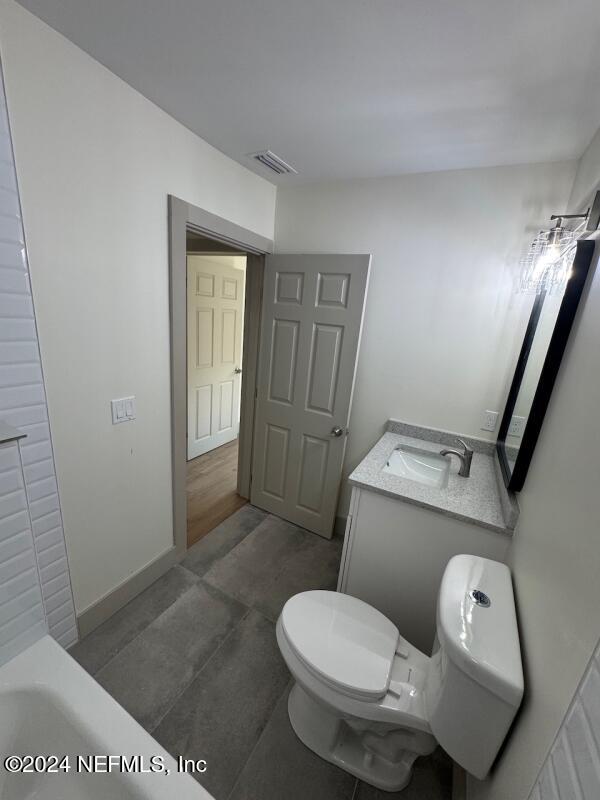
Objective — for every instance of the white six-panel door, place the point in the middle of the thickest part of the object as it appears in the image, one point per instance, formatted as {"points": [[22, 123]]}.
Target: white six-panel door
{"points": [[215, 295], [311, 321]]}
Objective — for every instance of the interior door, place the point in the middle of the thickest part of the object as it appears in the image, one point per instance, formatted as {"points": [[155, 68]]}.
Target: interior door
{"points": [[215, 302], [311, 322]]}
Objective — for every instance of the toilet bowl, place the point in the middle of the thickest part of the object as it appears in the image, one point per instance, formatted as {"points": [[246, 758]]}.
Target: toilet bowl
{"points": [[367, 700], [358, 696]]}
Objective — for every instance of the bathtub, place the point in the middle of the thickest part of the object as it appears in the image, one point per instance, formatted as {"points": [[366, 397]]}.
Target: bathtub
{"points": [[49, 706]]}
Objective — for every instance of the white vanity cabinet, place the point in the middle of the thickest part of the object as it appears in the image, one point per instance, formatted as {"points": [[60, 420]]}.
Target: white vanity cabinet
{"points": [[395, 553]]}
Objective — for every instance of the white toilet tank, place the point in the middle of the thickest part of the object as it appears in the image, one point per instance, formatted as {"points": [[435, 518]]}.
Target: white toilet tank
{"points": [[474, 684]]}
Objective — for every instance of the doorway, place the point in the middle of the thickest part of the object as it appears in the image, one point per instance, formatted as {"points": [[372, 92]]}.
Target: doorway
{"points": [[196, 232], [294, 414], [216, 280]]}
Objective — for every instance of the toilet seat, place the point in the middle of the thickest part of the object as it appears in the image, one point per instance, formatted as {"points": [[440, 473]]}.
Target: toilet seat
{"points": [[406, 709], [343, 641]]}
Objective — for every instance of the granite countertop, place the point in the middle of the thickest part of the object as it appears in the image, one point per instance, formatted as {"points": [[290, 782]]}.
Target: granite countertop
{"points": [[475, 499]]}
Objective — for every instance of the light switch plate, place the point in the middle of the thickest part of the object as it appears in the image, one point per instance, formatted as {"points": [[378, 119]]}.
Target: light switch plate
{"points": [[123, 410], [490, 420]]}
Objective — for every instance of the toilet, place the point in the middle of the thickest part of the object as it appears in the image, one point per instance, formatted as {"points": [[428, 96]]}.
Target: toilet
{"points": [[368, 701]]}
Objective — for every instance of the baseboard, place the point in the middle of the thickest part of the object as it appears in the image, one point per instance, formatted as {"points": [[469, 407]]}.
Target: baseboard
{"points": [[108, 605], [459, 783]]}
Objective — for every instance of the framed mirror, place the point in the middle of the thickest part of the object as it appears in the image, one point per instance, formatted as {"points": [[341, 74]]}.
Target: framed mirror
{"points": [[543, 346]]}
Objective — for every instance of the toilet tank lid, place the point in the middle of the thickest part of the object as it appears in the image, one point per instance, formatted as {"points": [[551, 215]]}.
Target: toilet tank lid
{"points": [[347, 642], [477, 624]]}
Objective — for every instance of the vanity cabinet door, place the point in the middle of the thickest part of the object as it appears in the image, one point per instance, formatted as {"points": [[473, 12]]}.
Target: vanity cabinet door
{"points": [[395, 554]]}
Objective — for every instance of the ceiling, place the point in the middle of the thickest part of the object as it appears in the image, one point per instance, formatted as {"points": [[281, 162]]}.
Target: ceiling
{"points": [[356, 88]]}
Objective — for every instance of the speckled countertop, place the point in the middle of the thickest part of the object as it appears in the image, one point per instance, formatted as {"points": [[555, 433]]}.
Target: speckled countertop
{"points": [[475, 499]]}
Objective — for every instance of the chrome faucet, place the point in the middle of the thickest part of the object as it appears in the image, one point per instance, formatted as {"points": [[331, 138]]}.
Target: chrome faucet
{"points": [[465, 458]]}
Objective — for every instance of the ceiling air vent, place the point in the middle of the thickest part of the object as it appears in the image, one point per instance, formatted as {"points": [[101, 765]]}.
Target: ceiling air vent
{"points": [[273, 162]]}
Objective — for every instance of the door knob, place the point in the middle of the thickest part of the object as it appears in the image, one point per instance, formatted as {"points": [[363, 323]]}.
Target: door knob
{"points": [[337, 432], [237, 371]]}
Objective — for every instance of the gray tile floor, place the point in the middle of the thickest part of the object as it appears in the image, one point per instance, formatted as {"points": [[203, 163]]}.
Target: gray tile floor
{"points": [[194, 659]]}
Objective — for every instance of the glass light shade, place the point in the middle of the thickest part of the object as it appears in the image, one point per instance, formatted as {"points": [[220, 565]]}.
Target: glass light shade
{"points": [[546, 267]]}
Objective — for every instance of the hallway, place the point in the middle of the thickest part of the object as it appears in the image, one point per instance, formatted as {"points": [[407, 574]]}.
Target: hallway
{"points": [[211, 490]]}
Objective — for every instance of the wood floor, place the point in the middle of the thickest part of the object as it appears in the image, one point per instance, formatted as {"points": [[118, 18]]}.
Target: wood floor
{"points": [[211, 490]]}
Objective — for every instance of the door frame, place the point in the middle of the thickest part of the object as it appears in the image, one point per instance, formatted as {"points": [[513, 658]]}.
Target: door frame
{"points": [[185, 216]]}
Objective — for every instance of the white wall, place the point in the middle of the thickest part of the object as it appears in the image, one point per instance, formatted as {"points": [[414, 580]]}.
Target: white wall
{"points": [[587, 178], [555, 555], [95, 161], [441, 297]]}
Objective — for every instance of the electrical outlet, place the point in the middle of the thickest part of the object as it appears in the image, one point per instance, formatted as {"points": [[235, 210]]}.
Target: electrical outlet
{"points": [[490, 420], [123, 410], [517, 426]]}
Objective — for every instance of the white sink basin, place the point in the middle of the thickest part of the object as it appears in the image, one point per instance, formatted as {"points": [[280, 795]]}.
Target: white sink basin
{"points": [[430, 469]]}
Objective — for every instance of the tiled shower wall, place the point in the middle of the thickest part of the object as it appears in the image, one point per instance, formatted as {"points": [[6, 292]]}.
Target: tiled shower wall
{"points": [[22, 618], [23, 405], [572, 769]]}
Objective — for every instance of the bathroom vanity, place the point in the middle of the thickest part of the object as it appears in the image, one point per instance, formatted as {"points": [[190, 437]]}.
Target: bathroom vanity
{"points": [[410, 512]]}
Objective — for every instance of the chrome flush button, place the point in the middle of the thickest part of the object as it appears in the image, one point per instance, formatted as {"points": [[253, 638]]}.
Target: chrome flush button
{"points": [[480, 598]]}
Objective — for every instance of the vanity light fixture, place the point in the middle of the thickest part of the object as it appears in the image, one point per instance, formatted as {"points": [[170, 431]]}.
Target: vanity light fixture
{"points": [[546, 267]]}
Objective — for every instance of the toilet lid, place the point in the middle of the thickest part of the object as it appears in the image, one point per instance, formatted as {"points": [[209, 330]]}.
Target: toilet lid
{"points": [[343, 640]]}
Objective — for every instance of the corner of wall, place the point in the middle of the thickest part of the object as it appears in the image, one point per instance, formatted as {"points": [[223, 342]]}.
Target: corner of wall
{"points": [[587, 177]]}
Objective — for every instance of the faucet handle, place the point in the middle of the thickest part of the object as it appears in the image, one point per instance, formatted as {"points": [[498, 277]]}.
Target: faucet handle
{"points": [[464, 444]]}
